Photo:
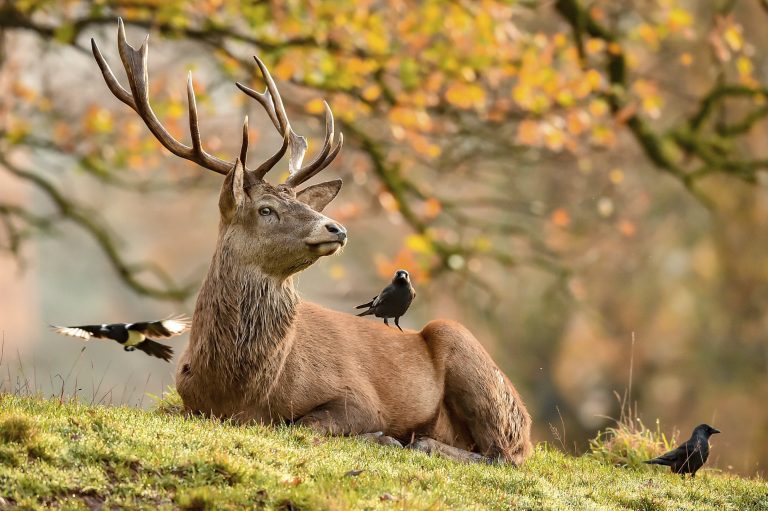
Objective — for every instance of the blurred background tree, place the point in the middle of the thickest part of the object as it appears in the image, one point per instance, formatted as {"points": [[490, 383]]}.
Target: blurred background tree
{"points": [[557, 175]]}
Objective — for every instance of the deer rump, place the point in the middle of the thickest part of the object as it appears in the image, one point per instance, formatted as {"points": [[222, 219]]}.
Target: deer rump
{"points": [[258, 353]]}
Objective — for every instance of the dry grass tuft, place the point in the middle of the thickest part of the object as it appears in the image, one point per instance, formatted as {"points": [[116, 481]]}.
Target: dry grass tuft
{"points": [[630, 442]]}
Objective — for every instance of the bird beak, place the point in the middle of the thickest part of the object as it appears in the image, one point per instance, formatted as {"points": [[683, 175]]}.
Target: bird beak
{"points": [[715, 431]]}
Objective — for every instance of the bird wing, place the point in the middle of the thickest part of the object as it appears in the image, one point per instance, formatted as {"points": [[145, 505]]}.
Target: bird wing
{"points": [[677, 454], [156, 349], [163, 328], [369, 304], [84, 332], [385, 295]]}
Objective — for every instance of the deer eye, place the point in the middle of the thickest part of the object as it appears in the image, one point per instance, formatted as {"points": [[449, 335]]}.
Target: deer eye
{"points": [[265, 211]]}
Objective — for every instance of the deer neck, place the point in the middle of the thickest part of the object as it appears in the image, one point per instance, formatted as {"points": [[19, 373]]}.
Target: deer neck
{"points": [[242, 324]]}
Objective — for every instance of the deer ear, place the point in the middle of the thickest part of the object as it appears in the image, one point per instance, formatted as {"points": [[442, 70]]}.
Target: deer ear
{"points": [[320, 195], [232, 191]]}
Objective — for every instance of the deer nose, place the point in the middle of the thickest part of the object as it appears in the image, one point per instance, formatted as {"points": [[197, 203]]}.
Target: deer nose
{"points": [[336, 229]]}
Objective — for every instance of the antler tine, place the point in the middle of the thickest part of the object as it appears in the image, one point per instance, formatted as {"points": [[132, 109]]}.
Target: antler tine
{"points": [[327, 161], [272, 102], [109, 77], [135, 64], [319, 162], [272, 161], [265, 100], [244, 143], [194, 125]]}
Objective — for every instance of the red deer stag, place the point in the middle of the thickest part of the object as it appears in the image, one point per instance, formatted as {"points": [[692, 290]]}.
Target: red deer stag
{"points": [[257, 352]]}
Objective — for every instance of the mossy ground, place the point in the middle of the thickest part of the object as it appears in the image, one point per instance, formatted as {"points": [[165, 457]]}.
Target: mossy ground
{"points": [[75, 456]]}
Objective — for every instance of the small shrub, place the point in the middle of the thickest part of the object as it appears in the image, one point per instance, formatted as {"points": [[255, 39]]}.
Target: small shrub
{"points": [[196, 499], [9, 456], [23, 433], [17, 429], [169, 403]]}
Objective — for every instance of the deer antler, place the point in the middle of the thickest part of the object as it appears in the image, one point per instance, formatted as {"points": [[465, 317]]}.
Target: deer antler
{"points": [[135, 64], [272, 102]]}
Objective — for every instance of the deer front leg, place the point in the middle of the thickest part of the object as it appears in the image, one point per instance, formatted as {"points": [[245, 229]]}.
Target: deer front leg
{"points": [[380, 438], [338, 420], [432, 446]]}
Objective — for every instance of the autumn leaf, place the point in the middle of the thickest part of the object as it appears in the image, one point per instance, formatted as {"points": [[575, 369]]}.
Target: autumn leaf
{"points": [[314, 106], [405, 259], [432, 208], [560, 218], [679, 18], [627, 228], [418, 243], [465, 95], [529, 133], [733, 36]]}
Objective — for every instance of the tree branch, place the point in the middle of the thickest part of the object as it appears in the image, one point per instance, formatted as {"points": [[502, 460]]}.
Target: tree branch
{"points": [[128, 272]]}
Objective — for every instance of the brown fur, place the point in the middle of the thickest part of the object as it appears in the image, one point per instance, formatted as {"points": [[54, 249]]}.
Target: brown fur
{"points": [[259, 353]]}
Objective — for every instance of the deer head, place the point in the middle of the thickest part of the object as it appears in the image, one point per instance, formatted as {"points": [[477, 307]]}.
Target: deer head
{"points": [[275, 229]]}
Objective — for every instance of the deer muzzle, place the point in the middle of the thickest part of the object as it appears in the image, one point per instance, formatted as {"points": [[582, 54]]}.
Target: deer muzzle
{"points": [[329, 241]]}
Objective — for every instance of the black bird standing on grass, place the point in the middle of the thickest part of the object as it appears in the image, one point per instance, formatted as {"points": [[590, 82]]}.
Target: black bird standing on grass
{"points": [[691, 455], [132, 336], [393, 301]]}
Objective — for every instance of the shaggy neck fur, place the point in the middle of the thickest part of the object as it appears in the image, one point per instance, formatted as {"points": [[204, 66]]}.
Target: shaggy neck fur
{"points": [[241, 324]]}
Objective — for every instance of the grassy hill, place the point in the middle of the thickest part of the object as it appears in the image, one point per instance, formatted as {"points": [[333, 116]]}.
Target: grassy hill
{"points": [[75, 456]]}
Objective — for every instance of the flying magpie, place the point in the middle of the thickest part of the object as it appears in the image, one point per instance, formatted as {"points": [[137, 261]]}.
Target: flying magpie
{"points": [[133, 336], [393, 301], [690, 456]]}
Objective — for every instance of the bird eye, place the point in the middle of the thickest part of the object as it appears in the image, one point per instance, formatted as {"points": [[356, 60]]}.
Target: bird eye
{"points": [[265, 211]]}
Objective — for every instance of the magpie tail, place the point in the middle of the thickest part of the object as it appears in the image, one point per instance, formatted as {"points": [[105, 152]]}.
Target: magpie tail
{"points": [[156, 349]]}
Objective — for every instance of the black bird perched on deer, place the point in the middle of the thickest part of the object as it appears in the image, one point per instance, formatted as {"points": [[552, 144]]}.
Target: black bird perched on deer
{"points": [[393, 301], [132, 336], [690, 456]]}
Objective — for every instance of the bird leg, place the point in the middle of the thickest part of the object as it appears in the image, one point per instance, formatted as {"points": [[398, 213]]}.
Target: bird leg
{"points": [[386, 322], [397, 323]]}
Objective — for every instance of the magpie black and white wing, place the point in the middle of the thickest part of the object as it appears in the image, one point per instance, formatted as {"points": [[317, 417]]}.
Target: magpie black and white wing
{"points": [[156, 349], [163, 328], [84, 332]]}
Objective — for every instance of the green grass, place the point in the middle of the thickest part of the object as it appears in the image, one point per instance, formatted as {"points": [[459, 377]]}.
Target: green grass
{"points": [[75, 456]]}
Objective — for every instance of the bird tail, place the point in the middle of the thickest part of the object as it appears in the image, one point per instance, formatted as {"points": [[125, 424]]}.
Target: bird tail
{"points": [[657, 461], [156, 349], [365, 313], [364, 305]]}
